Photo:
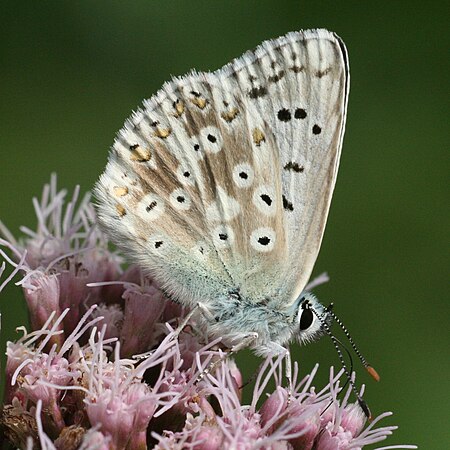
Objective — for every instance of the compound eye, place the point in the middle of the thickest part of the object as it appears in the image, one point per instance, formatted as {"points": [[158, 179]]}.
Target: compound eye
{"points": [[306, 319]]}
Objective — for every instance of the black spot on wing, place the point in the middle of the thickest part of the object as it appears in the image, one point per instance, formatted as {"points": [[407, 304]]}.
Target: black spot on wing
{"points": [[299, 113], [287, 205], [284, 115], [152, 205], [322, 73], [292, 165], [277, 77], [297, 69], [257, 92], [266, 199]]}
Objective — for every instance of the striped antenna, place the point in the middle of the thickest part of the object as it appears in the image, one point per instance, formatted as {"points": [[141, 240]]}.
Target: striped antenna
{"points": [[373, 373]]}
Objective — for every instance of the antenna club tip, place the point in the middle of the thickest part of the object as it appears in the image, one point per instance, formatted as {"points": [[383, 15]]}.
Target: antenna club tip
{"points": [[373, 373]]}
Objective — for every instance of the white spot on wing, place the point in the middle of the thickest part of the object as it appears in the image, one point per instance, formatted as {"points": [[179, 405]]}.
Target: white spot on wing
{"points": [[180, 199], [211, 139], [196, 148], [243, 175], [223, 236], [263, 239], [151, 207], [185, 176], [264, 199]]}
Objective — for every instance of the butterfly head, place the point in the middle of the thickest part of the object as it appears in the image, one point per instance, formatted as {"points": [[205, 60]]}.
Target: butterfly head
{"points": [[311, 319]]}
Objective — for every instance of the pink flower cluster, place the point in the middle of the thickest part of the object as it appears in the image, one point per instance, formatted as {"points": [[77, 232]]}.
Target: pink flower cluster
{"points": [[105, 365]]}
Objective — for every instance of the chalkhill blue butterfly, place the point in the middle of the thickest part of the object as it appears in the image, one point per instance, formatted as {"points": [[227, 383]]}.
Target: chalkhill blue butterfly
{"points": [[219, 187]]}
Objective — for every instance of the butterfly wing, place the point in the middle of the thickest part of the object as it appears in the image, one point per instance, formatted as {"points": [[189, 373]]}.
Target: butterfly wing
{"points": [[223, 180], [299, 85]]}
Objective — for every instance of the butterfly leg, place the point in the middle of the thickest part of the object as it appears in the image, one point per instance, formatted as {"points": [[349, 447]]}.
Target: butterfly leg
{"points": [[245, 341], [289, 374], [278, 349], [199, 307]]}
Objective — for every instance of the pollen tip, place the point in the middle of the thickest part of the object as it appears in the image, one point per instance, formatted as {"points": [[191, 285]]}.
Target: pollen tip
{"points": [[373, 373]]}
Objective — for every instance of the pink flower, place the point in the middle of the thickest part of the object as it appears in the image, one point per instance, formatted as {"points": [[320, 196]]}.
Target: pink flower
{"points": [[143, 308], [118, 403], [24, 352], [42, 297], [53, 370], [112, 317], [343, 424], [60, 230], [303, 421], [198, 433], [95, 440], [135, 381], [66, 252]]}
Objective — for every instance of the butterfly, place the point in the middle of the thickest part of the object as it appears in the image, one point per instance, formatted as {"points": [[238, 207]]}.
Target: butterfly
{"points": [[219, 187]]}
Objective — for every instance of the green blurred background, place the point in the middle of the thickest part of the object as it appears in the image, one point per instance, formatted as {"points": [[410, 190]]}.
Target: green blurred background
{"points": [[71, 72]]}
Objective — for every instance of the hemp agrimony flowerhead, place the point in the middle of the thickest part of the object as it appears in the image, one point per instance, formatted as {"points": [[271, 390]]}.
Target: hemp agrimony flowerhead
{"points": [[106, 365]]}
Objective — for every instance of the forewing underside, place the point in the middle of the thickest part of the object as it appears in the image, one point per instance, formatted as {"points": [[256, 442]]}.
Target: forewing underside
{"points": [[299, 85]]}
